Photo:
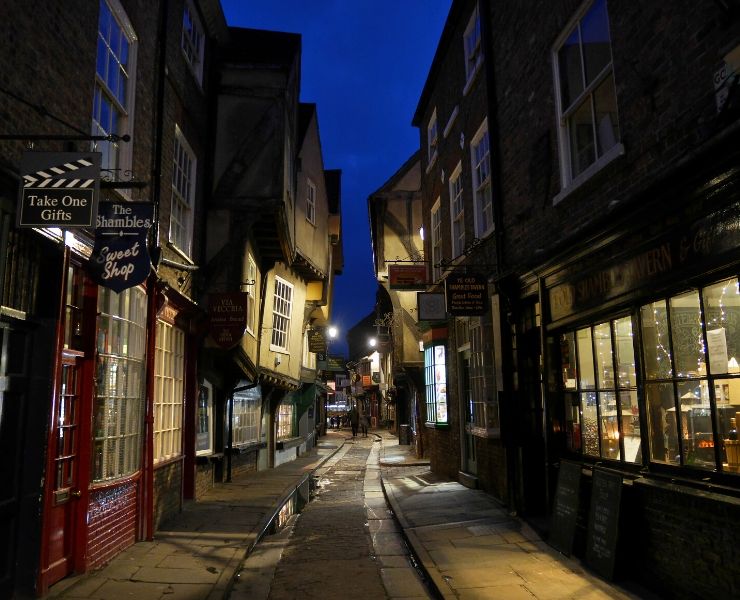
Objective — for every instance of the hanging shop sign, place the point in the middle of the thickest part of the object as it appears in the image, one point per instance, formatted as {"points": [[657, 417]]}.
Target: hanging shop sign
{"points": [[120, 258], [466, 294], [227, 315], [316, 341], [407, 277], [335, 364], [60, 189], [430, 306]]}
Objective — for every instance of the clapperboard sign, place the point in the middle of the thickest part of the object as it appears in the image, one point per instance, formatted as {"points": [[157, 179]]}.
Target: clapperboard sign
{"points": [[60, 189], [120, 258]]}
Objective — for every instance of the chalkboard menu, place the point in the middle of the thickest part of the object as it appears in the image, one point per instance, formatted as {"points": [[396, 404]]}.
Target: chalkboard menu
{"points": [[603, 522], [565, 510]]}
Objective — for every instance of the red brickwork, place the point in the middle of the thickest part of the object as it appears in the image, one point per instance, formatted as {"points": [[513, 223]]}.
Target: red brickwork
{"points": [[112, 517]]}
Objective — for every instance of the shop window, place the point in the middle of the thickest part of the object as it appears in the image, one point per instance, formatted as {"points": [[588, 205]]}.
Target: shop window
{"points": [[113, 95], [602, 417], [204, 424], [169, 391], [285, 421], [435, 378], [119, 392], [246, 410], [692, 382], [586, 96]]}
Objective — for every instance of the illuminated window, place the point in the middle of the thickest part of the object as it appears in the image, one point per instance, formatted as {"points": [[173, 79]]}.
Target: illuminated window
{"points": [[285, 421], [169, 383], [118, 416], [204, 423], [435, 381], [246, 422], [586, 96]]}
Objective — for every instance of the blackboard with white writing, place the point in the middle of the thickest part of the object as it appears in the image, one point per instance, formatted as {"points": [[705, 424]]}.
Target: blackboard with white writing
{"points": [[603, 522], [565, 509]]}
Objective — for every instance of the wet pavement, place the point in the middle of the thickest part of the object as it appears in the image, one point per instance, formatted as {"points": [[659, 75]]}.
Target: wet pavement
{"points": [[373, 502]]}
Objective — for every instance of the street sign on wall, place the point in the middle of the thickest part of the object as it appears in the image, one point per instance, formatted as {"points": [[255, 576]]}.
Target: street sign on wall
{"points": [[60, 189]]}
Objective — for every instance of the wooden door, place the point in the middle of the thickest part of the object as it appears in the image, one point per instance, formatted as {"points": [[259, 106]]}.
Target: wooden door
{"points": [[65, 494]]}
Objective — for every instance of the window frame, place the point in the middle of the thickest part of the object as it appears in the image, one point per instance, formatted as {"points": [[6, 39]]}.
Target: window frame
{"points": [[182, 207], [436, 241], [169, 391], [285, 421], [474, 53], [432, 139], [568, 178], [192, 41], [311, 202], [124, 107], [457, 218], [205, 391], [281, 318], [251, 293], [436, 392], [482, 189], [246, 410]]}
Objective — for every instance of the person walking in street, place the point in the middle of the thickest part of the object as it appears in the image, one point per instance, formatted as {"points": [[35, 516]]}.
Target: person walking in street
{"points": [[364, 424], [354, 420]]}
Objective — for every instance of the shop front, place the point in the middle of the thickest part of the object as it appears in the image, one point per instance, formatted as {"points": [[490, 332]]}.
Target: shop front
{"points": [[641, 345]]}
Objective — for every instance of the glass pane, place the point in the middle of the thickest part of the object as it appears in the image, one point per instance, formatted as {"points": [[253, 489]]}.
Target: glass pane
{"points": [[728, 416], [662, 423], [572, 423], [585, 359], [722, 308], [590, 424], [605, 108], [571, 73], [630, 426], [609, 425], [595, 38], [604, 356], [696, 424], [655, 343], [625, 352], [568, 360], [581, 130], [686, 333]]}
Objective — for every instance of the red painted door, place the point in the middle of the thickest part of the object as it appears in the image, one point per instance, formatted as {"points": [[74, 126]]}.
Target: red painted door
{"points": [[64, 498]]}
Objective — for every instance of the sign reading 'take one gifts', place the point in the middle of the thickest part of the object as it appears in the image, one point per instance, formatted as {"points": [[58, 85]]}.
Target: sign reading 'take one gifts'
{"points": [[120, 258]]}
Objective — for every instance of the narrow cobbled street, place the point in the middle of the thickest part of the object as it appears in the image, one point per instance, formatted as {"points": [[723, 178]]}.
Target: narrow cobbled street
{"points": [[344, 541]]}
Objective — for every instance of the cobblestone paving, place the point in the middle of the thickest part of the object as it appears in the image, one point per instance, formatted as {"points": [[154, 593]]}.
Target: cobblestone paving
{"points": [[344, 543]]}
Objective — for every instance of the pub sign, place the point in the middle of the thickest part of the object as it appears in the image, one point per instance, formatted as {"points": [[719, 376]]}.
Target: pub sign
{"points": [[227, 314], [466, 294]]}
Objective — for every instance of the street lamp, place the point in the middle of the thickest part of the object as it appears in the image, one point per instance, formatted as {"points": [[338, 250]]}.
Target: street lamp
{"points": [[373, 342], [332, 331]]}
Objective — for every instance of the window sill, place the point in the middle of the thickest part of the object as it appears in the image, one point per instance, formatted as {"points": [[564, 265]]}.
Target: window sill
{"points": [[288, 443], [437, 425], [450, 122], [431, 163], [181, 253], [244, 448], [614, 153], [204, 459]]}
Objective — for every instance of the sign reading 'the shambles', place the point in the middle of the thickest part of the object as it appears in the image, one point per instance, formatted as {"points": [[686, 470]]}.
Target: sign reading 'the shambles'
{"points": [[120, 258]]}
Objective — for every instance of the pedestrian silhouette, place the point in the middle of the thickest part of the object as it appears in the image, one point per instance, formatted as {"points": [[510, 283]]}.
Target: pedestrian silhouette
{"points": [[354, 420], [364, 424]]}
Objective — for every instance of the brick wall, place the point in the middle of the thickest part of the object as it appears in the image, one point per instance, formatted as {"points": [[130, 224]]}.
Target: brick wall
{"points": [[204, 479], [243, 463], [112, 517], [167, 492]]}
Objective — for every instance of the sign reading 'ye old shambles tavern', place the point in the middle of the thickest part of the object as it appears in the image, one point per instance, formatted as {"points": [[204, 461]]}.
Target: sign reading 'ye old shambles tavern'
{"points": [[120, 258]]}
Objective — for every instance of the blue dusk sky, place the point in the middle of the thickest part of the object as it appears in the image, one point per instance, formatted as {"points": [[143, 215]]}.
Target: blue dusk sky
{"points": [[364, 64]]}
